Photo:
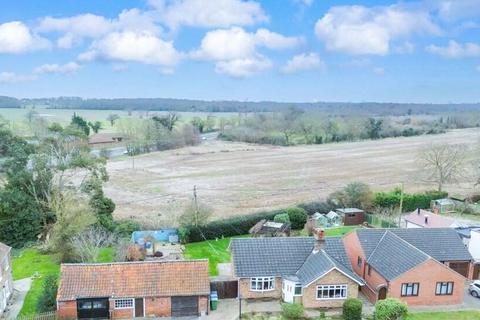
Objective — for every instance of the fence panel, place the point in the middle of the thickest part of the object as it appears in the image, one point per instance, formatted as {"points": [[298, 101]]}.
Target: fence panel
{"points": [[52, 315], [225, 289]]}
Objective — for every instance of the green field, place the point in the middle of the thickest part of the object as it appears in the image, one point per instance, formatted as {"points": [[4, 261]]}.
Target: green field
{"points": [[33, 263], [18, 121]]}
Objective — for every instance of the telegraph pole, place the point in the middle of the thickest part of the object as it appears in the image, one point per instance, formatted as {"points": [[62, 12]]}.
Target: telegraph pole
{"points": [[401, 206], [196, 204]]}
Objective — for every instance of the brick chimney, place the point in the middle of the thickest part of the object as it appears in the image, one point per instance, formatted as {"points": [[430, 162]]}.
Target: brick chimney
{"points": [[319, 236]]}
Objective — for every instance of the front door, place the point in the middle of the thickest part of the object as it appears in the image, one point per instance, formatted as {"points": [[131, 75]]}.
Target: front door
{"points": [[139, 308], [382, 293]]}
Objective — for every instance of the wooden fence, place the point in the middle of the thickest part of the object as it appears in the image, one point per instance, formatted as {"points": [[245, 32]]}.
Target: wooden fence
{"points": [[225, 289], [52, 315]]}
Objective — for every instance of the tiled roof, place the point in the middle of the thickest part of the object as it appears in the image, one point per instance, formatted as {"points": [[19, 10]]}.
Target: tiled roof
{"points": [[433, 220], [318, 264], [394, 256], [134, 279], [289, 257], [442, 244], [270, 256]]}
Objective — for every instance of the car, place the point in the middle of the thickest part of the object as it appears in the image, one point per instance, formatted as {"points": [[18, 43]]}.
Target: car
{"points": [[474, 288]]}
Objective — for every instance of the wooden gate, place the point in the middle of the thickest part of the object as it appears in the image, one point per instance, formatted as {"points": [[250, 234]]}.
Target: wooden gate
{"points": [[225, 289]]}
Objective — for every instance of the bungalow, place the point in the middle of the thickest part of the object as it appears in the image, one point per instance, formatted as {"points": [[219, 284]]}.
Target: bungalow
{"points": [[6, 280], [314, 271], [419, 266], [128, 290], [425, 219]]}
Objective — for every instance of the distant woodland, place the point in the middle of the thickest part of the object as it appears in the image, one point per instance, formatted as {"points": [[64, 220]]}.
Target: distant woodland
{"points": [[164, 104]]}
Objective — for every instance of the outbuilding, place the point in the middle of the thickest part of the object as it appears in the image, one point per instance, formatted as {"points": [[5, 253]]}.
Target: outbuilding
{"points": [[127, 290], [351, 216]]}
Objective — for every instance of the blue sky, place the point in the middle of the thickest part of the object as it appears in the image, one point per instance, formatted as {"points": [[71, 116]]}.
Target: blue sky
{"points": [[282, 50]]}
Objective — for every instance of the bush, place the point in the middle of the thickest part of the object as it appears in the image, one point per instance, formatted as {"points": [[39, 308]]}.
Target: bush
{"points": [[352, 309], [316, 206], [411, 201], [126, 228], [298, 217], [229, 227], [48, 297], [390, 309], [292, 311], [282, 217]]}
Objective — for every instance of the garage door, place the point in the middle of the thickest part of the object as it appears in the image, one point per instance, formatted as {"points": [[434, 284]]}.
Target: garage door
{"points": [[93, 308], [184, 306]]}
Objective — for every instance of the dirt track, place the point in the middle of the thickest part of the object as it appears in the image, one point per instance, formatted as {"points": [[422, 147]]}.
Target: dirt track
{"points": [[236, 178]]}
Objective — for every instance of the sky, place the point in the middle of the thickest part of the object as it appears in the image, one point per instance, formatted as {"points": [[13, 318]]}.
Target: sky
{"points": [[425, 51]]}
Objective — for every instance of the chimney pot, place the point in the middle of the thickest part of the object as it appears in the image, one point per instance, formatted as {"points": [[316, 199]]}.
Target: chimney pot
{"points": [[418, 210], [426, 219], [319, 234]]}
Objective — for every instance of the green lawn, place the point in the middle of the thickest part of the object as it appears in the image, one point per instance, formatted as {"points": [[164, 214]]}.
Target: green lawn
{"points": [[457, 315], [216, 251], [339, 231], [32, 262]]}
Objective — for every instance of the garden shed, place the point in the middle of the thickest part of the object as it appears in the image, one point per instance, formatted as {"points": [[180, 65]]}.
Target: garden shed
{"points": [[265, 228], [445, 205]]}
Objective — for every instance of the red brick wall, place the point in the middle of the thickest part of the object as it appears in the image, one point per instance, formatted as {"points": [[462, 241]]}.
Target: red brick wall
{"points": [[123, 313], [354, 250], [373, 282], [158, 307], [427, 275], [67, 310]]}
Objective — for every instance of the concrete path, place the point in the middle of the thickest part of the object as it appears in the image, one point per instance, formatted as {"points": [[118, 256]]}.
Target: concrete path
{"points": [[20, 289]]}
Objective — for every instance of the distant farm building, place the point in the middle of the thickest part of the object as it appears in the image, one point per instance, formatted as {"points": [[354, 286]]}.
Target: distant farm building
{"points": [[104, 138]]}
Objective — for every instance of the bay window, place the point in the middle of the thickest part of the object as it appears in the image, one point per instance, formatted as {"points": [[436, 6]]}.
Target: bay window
{"points": [[328, 292], [262, 284]]}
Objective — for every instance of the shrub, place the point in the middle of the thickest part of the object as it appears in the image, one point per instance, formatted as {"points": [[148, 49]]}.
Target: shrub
{"points": [[125, 228], [297, 216], [48, 297], [390, 309], [282, 217], [316, 206], [352, 309], [292, 311], [135, 253]]}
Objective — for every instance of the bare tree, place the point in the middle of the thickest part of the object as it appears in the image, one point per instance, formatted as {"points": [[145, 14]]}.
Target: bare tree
{"points": [[443, 163], [87, 244]]}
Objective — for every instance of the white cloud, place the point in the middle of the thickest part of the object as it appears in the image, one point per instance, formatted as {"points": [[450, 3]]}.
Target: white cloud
{"points": [[451, 10], [68, 68], [234, 48], [273, 40], [11, 77], [304, 61], [128, 46], [75, 29], [245, 67], [365, 30], [16, 37], [208, 14], [456, 50]]}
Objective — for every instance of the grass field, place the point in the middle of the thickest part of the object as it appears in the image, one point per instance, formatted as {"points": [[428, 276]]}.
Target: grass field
{"points": [[239, 178], [31, 262], [18, 123], [216, 251]]}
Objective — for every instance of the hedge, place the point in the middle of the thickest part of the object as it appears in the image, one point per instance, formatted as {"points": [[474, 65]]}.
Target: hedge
{"points": [[229, 227], [352, 309], [411, 201]]}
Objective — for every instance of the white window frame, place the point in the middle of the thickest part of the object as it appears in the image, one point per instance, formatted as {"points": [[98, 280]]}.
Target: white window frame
{"points": [[410, 289], [124, 303], [270, 281], [341, 287]]}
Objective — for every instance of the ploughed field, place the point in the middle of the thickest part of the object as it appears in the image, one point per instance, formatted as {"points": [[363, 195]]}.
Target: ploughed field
{"points": [[239, 178]]}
